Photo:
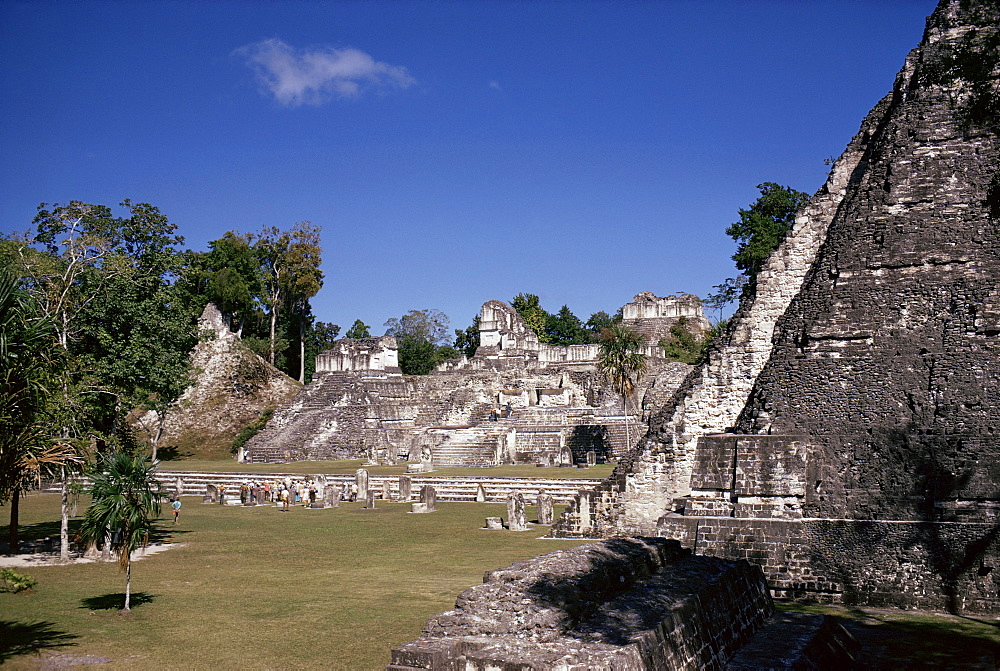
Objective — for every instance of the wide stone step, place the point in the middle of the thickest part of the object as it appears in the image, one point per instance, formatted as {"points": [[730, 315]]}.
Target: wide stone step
{"points": [[447, 488]]}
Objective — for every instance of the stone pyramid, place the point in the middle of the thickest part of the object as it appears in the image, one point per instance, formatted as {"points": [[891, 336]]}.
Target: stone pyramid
{"points": [[846, 433]]}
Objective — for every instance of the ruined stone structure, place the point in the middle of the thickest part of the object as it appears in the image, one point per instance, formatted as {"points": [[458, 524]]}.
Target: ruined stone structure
{"points": [[360, 405], [630, 603], [367, 354], [845, 433], [654, 315], [232, 388]]}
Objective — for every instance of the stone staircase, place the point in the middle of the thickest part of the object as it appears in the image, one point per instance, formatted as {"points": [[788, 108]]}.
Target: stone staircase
{"points": [[474, 446], [448, 488]]}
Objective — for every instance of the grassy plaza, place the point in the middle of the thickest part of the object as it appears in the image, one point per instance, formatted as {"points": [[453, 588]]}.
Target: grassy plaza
{"points": [[255, 587]]}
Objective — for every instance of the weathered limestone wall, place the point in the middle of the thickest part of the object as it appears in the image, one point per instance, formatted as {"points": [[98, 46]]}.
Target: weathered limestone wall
{"points": [[349, 354], [645, 485], [878, 563], [894, 342], [580, 608]]}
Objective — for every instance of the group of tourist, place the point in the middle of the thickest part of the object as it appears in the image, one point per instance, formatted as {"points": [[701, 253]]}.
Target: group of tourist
{"points": [[504, 412], [288, 492]]}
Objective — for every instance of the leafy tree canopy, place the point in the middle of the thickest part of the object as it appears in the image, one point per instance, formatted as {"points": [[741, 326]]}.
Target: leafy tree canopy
{"points": [[422, 338], [565, 328], [759, 231], [467, 341], [527, 305], [429, 325], [358, 329]]}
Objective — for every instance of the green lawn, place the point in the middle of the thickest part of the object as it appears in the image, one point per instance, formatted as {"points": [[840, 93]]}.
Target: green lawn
{"points": [[598, 472], [259, 588]]}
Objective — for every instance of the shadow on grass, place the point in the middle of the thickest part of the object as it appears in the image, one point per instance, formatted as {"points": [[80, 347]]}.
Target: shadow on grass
{"points": [[21, 638], [164, 532], [913, 640], [30, 532], [115, 601]]}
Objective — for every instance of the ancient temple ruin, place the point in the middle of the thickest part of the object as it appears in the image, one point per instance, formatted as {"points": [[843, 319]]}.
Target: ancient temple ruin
{"points": [[359, 405], [845, 433]]}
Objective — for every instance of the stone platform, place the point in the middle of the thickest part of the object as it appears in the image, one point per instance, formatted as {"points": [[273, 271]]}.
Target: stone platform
{"points": [[627, 603]]}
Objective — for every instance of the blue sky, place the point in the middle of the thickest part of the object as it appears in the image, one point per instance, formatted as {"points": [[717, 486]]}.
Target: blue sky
{"points": [[452, 152]]}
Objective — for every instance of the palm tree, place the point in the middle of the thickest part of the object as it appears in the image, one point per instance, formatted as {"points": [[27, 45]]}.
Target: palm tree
{"points": [[622, 363], [125, 499]]}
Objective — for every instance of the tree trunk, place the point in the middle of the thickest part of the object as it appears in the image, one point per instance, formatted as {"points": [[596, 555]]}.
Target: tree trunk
{"points": [[302, 350], [12, 539], [628, 439], [63, 515], [128, 584], [161, 419], [274, 319]]}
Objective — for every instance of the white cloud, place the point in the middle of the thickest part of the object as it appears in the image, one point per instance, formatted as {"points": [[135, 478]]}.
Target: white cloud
{"points": [[495, 85], [310, 77]]}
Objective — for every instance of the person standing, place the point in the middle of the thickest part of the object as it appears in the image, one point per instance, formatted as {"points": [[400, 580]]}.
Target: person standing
{"points": [[176, 505]]}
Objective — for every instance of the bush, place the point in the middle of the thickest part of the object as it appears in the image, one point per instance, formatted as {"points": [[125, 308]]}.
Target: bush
{"points": [[252, 430], [15, 582]]}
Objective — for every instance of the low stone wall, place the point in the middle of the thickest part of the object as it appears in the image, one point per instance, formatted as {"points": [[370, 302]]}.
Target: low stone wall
{"points": [[927, 565]]}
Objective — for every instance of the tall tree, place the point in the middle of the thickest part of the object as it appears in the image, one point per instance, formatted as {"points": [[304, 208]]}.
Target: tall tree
{"points": [[358, 329], [759, 231], [234, 278], [622, 363], [64, 279], [598, 322], [125, 498], [565, 328], [304, 281], [527, 305], [320, 338], [137, 332], [291, 262], [467, 341], [421, 336], [29, 366]]}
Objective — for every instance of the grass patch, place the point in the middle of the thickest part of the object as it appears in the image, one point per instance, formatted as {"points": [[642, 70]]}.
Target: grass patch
{"points": [[600, 471], [259, 588]]}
